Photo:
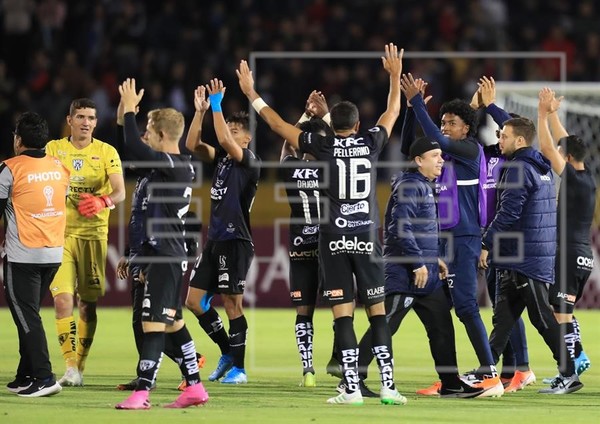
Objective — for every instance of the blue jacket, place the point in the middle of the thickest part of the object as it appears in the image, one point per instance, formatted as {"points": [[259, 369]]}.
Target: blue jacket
{"points": [[526, 206], [410, 234]]}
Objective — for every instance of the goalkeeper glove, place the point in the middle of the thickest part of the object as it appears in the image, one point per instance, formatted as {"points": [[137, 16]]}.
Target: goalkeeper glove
{"points": [[90, 205]]}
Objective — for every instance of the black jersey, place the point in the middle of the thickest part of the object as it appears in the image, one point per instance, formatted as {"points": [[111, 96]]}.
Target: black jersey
{"points": [[579, 188], [169, 191], [232, 194], [352, 177], [302, 188], [137, 220]]}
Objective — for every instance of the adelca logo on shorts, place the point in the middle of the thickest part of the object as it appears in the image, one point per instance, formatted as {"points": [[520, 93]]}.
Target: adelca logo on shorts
{"points": [[353, 245]]}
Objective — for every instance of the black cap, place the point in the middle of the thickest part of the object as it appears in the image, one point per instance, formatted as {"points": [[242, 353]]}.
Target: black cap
{"points": [[422, 145]]}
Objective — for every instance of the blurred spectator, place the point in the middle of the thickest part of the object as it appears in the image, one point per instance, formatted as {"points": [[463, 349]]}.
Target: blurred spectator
{"points": [[56, 49]]}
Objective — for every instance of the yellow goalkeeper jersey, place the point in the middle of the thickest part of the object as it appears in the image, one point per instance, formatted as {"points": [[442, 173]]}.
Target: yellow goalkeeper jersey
{"points": [[90, 168]]}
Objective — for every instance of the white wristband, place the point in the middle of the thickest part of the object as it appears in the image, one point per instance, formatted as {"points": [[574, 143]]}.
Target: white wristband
{"points": [[259, 104], [327, 118]]}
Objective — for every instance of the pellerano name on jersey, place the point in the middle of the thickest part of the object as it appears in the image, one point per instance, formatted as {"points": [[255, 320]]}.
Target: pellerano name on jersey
{"points": [[350, 152]]}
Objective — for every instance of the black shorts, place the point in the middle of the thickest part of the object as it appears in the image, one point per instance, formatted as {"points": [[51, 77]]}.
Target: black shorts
{"points": [[304, 276], [162, 292], [223, 266], [346, 257], [563, 295]]}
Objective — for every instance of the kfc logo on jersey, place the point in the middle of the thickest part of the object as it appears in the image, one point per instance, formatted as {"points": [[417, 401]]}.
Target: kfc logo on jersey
{"points": [[305, 174], [348, 142], [349, 209], [77, 164], [350, 246]]}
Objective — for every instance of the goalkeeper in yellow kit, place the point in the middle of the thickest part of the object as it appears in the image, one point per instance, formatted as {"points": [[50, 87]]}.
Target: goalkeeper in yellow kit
{"points": [[96, 185]]}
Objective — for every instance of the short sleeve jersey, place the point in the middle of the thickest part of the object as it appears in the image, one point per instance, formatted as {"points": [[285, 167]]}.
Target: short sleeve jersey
{"points": [[579, 188], [89, 168], [232, 193], [352, 177]]}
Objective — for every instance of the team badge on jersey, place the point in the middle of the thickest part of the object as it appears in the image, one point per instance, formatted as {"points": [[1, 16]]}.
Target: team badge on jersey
{"points": [[77, 164]]}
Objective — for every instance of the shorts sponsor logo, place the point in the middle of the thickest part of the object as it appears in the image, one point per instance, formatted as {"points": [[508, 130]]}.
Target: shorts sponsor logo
{"points": [[332, 294], [223, 277], [168, 312], [242, 284], [375, 292], [570, 298], [585, 261], [146, 303], [344, 223], [310, 229], [296, 294], [349, 209], [351, 245], [222, 263], [223, 286], [147, 364]]}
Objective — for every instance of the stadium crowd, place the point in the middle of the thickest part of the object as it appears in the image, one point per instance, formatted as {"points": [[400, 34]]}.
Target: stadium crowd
{"points": [[57, 50]]}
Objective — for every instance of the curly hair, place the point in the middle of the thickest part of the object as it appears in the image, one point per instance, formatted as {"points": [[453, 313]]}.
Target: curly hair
{"points": [[461, 109]]}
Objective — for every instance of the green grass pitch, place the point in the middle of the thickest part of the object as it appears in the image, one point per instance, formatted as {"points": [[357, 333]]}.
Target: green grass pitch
{"points": [[272, 394]]}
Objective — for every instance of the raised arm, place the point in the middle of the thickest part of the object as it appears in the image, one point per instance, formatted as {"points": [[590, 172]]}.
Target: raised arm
{"points": [[407, 136], [547, 146], [272, 118], [216, 91], [134, 146], [205, 152], [556, 127], [392, 63], [487, 88]]}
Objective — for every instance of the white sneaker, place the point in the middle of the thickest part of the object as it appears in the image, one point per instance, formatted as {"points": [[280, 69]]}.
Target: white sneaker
{"points": [[72, 377], [354, 398], [391, 397]]}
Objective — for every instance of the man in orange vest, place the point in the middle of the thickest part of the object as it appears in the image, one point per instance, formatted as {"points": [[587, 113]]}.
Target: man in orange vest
{"points": [[33, 190]]}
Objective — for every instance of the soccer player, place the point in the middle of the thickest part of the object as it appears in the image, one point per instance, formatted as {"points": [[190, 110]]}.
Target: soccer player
{"points": [[577, 197], [302, 182], [348, 245], [96, 185], [33, 190], [229, 250], [523, 235], [461, 210], [136, 237], [413, 270], [162, 257]]}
